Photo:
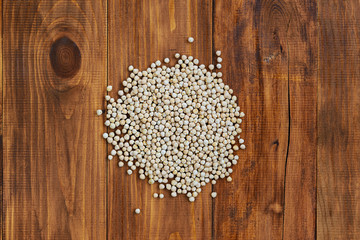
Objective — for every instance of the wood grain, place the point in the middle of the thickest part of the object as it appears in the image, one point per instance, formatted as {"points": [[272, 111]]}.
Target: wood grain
{"points": [[141, 32], [300, 178], [269, 57], [54, 72], [338, 191], [294, 65], [1, 124], [251, 207]]}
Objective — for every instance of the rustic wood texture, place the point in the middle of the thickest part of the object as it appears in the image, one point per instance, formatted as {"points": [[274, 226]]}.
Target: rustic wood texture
{"points": [[54, 164], [269, 51], [141, 32], [293, 64], [1, 123], [300, 176], [338, 189]]}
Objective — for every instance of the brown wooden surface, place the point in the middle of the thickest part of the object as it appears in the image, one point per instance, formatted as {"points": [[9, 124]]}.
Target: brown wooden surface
{"points": [[269, 50], [1, 121], [141, 33], [293, 64], [300, 175], [54, 176], [246, 209], [338, 162]]}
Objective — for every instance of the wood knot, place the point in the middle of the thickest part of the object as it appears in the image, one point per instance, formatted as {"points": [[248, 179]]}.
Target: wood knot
{"points": [[276, 143], [175, 236], [65, 57], [271, 57], [276, 208]]}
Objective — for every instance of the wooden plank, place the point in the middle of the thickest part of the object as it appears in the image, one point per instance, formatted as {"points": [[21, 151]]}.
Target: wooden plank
{"points": [[140, 32], [300, 181], [1, 124], [251, 207], [264, 62], [54, 158], [338, 207]]}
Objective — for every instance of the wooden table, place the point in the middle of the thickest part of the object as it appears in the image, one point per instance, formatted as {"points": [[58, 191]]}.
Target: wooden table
{"points": [[293, 64]]}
